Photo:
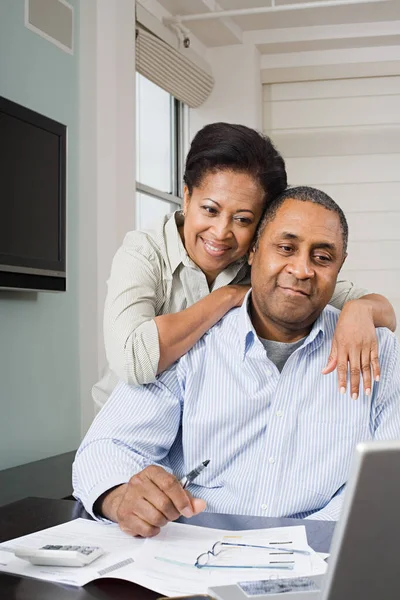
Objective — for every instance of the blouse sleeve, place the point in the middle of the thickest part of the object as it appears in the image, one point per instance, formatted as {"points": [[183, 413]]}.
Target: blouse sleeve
{"points": [[135, 290], [345, 291]]}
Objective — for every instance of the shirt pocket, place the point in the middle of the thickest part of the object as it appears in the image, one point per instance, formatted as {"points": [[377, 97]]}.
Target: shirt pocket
{"points": [[324, 459]]}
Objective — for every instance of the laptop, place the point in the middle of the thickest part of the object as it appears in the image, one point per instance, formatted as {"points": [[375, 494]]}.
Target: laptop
{"points": [[364, 563]]}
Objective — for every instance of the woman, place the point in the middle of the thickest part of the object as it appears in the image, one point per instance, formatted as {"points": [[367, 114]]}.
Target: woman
{"points": [[168, 287]]}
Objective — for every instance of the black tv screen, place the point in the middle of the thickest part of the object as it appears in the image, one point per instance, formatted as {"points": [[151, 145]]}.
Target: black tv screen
{"points": [[32, 200]]}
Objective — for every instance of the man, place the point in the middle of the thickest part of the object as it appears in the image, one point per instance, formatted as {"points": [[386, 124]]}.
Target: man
{"points": [[249, 397]]}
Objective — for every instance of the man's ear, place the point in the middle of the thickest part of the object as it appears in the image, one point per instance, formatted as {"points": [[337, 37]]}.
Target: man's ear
{"points": [[250, 257]]}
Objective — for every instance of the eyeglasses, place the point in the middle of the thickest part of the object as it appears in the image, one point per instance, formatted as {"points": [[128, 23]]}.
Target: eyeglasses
{"points": [[203, 560]]}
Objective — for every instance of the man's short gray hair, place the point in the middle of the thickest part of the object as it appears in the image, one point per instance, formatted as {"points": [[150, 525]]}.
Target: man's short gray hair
{"points": [[303, 194]]}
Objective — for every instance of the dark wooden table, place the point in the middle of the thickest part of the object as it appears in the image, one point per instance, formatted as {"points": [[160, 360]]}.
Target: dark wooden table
{"points": [[34, 514]]}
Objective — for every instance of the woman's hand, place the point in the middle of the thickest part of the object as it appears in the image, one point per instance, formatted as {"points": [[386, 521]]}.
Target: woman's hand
{"points": [[355, 342], [236, 293]]}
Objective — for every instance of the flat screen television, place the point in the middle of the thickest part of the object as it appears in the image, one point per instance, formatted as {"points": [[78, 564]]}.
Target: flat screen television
{"points": [[32, 200]]}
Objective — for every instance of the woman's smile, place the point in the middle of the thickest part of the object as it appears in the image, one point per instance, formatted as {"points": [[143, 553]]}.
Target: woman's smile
{"points": [[213, 248]]}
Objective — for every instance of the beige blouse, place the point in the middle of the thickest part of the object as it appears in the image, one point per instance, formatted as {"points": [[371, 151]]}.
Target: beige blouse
{"points": [[152, 275]]}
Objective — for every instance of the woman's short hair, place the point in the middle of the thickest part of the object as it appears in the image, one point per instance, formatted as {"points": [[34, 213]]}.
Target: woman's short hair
{"points": [[221, 146]]}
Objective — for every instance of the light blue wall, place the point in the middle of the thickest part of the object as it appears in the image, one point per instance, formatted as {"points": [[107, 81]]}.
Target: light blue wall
{"points": [[39, 344]]}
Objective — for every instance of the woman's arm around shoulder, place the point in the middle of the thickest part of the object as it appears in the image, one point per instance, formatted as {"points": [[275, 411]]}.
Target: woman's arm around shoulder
{"points": [[355, 341], [140, 342], [179, 332], [382, 311]]}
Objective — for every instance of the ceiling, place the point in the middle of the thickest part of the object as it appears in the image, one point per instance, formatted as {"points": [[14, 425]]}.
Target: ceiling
{"points": [[294, 31]]}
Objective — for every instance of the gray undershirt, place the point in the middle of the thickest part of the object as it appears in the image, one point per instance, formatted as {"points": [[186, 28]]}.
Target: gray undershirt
{"points": [[279, 352]]}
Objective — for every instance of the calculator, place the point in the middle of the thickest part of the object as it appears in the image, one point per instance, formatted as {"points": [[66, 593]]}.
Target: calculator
{"points": [[57, 555]]}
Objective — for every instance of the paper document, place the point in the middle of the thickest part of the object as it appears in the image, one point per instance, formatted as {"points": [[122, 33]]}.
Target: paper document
{"points": [[121, 550], [166, 563]]}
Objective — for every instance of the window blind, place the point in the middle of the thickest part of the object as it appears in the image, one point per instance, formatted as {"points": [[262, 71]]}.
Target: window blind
{"points": [[168, 68]]}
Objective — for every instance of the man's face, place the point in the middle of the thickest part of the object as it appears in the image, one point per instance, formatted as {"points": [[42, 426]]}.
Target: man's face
{"points": [[294, 268]]}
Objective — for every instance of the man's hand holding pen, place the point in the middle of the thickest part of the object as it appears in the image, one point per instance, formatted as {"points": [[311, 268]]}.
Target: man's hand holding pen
{"points": [[149, 501]]}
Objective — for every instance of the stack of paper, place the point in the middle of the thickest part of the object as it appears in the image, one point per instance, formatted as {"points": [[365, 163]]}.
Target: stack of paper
{"points": [[166, 563]]}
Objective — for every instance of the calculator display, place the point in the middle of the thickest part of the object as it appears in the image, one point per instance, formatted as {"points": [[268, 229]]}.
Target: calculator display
{"points": [[86, 550]]}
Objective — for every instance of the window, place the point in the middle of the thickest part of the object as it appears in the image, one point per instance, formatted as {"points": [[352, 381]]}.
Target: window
{"points": [[161, 145]]}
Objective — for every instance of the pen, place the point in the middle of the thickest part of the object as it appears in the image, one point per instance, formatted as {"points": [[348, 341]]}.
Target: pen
{"points": [[187, 479]]}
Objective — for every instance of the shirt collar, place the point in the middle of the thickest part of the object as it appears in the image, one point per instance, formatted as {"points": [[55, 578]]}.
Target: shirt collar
{"points": [[230, 272], [247, 333], [175, 249]]}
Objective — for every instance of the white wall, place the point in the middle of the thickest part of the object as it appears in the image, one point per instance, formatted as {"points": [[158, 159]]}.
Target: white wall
{"points": [[107, 167], [237, 94], [343, 136]]}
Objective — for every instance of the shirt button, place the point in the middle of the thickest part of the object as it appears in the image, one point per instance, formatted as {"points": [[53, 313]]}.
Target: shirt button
{"points": [[268, 372], [279, 413], [271, 460], [264, 506]]}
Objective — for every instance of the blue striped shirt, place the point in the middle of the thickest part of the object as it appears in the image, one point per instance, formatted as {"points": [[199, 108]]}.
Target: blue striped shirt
{"points": [[279, 444]]}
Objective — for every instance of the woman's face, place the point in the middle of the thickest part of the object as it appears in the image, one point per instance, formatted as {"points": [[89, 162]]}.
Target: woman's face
{"points": [[221, 217]]}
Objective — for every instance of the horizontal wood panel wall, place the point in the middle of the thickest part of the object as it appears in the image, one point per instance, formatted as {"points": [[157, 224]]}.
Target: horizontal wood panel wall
{"points": [[343, 136]]}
